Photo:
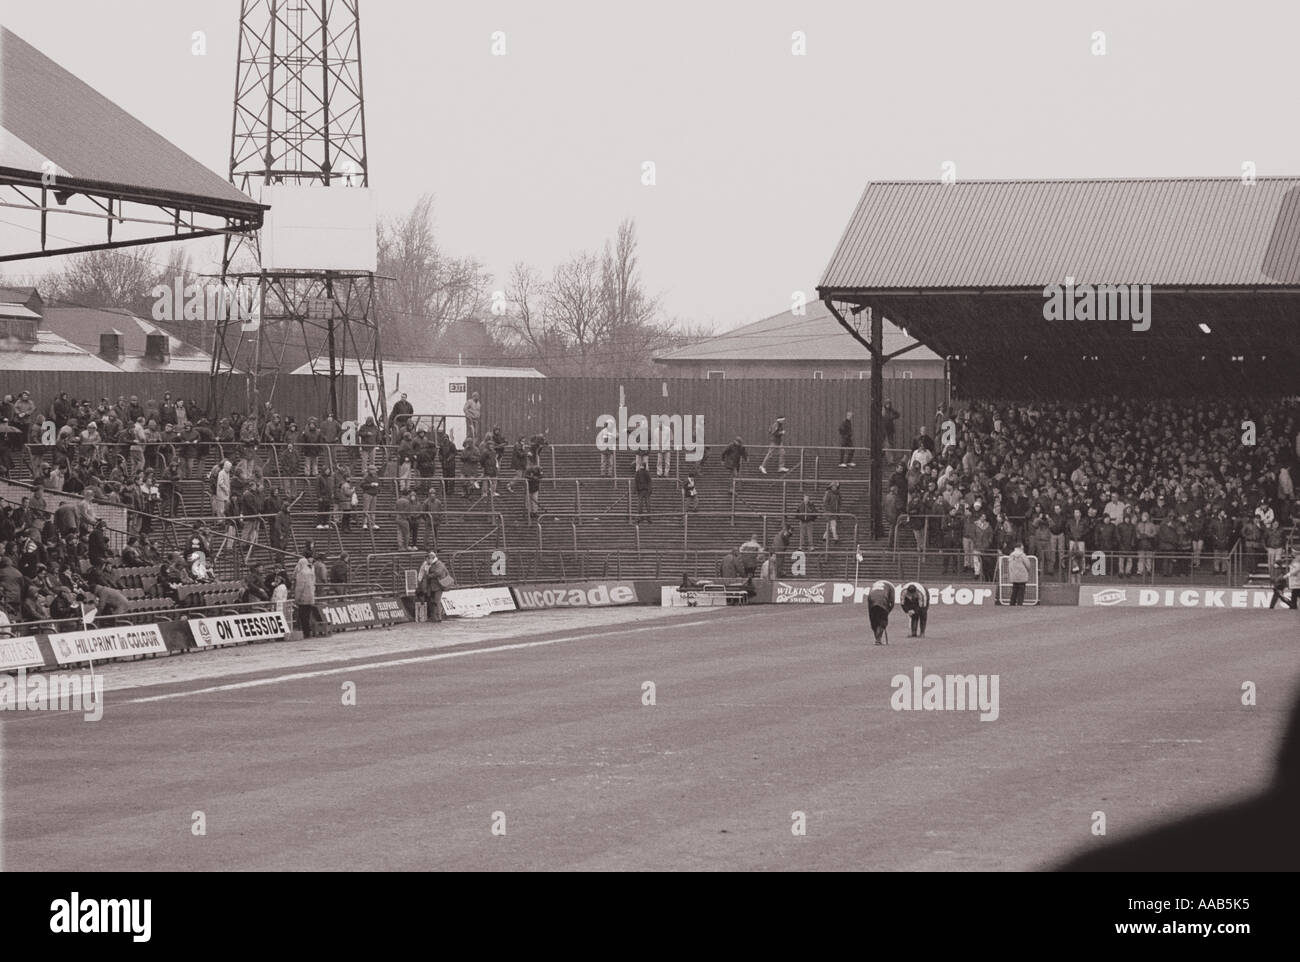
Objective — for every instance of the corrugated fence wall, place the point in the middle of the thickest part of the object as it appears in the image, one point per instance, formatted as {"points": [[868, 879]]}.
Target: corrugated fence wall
{"points": [[813, 410]]}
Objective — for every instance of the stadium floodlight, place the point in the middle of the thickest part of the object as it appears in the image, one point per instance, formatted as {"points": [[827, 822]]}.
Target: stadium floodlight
{"points": [[1205, 328]]}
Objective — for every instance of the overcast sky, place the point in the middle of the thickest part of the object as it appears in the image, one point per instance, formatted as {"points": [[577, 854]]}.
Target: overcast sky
{"points": [[760, 154]]}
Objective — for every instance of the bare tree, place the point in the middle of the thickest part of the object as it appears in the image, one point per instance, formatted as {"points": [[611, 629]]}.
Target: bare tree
{"points": [[108, 278], [524, 326], [626, 305], [429, 290], [593, 315], [575, 309]]}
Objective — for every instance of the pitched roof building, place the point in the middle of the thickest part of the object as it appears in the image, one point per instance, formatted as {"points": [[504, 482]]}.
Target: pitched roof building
{"points": [[122, 339], [786, 345], [24, 346]]}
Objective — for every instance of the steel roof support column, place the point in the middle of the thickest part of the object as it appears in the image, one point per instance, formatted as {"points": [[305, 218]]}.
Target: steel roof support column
{"points": [[877, 434], [877, 440]]}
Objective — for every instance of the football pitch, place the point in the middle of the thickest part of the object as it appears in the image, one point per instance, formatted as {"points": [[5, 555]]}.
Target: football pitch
{"points": [[743, 738]]}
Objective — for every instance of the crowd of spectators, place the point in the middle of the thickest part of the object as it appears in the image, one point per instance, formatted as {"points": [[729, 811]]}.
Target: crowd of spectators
{"points": [[1158, 486], [136, 455]]}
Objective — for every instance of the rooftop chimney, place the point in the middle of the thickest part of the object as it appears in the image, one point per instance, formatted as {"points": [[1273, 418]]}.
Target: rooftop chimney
{"points": [[156, 347], [110, 346]]}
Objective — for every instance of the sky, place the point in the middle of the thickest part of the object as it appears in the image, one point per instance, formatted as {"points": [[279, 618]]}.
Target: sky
{"points": [[760, 154]]}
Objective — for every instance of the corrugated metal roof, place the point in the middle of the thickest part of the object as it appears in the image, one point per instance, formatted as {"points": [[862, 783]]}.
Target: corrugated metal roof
{"points": [[46, 110], [814, 336], [83, 325], [18, 310], [48, 353], [1204, 232]]}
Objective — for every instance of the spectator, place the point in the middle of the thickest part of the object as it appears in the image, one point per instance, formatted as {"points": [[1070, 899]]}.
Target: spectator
{"points": [[424, 454], [984, 555], [367, 443], [1079, 530], [331, 431], [1252, 540], [915, 520], [690, 492], [488, 464], [1126, 535], [734, 455], [888, 419], [404, 473], [369, 497], [35, 613], [280, 593], [806, 515], [1146, 544], [219, 486], [311, 444], [1274, 543], [341, 570], [304, 595], [433, 515], [642, 486], [401, 415], [776, 445], [831, 507], [498, 441], [12, 584], [846, 441], [325, 492], [1220, 537], [781, 545], [952, 533], [473, 411], [281, 524], [254, 589], [1018, 573], [250, 507], [111, 601], [402, 516], [891, 509], [533, 482], [730, 567], [66, 520], [664, 446], [345, 499], [447, 455], [1197, 525], [749, 552], [606, 442], [99, 547], [432, 580]]}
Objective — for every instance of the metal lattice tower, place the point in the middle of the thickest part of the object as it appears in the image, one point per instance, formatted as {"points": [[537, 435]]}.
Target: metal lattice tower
{"points": [[299, 119]]}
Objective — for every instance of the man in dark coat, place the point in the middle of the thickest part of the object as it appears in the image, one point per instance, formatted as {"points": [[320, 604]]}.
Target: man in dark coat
{"points": [[846, 441], [880, 602], [914, 599]]}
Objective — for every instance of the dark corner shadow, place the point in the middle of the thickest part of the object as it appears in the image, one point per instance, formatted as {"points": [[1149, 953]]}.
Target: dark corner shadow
{"points": [[1260, 834]]}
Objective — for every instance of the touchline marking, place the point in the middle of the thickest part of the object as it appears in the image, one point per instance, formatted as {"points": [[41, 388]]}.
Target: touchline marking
{"points": [[420, 659]]}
